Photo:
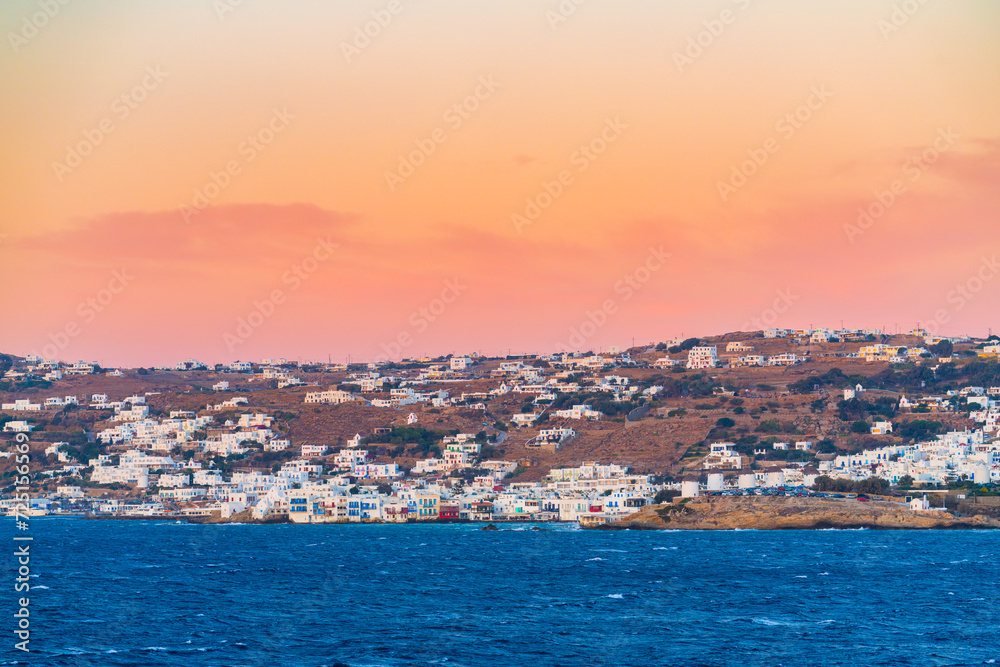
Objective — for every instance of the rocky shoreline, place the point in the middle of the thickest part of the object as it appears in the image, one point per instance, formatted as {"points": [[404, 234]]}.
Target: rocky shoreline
{"points": [[786, 513]]}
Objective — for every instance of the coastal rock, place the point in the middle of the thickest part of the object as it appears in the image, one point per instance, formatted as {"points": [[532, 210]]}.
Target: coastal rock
{"points": [[787, 513]]}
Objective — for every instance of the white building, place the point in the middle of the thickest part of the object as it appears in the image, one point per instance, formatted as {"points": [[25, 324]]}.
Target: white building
{"points": [[556, 434], [881, 428], [18, 427], [579, 412], [703, 356], [332, 396]]}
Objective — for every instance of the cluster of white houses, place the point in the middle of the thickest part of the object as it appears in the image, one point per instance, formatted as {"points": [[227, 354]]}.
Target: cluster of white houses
{"points": [[707, 356], [350, 485], [574, 494], [955, 456]]}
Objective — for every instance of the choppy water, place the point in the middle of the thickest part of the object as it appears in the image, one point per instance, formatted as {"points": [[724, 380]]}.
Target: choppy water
{"points": [[150, 593]]}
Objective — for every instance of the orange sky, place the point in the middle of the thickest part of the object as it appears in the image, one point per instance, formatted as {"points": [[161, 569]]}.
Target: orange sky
{"points": [[489, 176]]}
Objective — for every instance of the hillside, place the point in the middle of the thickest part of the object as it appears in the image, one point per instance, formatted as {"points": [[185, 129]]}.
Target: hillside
{"points": [[762, 405]]}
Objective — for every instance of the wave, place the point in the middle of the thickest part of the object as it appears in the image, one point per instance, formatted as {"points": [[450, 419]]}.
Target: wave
{"points": [[768, 622], [616, 596]]}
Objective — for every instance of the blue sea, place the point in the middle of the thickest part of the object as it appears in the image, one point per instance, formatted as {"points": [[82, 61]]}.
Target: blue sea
{"points": [[153, 593]]}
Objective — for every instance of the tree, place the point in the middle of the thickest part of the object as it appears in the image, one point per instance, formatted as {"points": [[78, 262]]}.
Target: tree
{"points": [[872, 485], [689, 343], [919, 429], [665, 496], [905, 482], [725, 422], [860, 426], [826, 446], [943, 348], [769, 426], [826, 483]]}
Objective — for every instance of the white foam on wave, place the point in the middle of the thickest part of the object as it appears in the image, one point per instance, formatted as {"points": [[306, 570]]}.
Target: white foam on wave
{"points": [[761, 620], [590, 559], [766, 621], [40, 588], [801, 576], [616, 596]]}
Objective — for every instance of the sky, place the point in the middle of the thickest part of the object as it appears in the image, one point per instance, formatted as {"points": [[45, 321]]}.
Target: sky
{"points": [[226, 179]]}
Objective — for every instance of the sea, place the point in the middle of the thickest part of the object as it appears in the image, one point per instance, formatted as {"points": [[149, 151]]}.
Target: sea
{"points": [[150, 593]]}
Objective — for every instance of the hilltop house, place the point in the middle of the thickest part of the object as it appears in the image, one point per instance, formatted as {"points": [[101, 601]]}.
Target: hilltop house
{"points": [[881, 428], [703, 356], [332, 396]]}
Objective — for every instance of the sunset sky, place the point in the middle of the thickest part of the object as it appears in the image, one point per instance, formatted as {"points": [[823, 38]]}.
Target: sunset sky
{"points": [[237, 180]]}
